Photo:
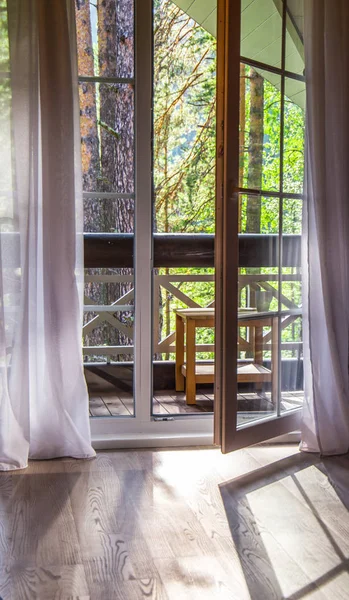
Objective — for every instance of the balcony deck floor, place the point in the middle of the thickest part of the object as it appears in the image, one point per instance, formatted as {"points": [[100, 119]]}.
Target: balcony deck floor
{"points": [[106, 400]]}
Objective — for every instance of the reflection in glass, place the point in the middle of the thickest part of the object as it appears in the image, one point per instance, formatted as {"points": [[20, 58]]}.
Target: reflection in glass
{"points": [[294, 58], [261, 31], [291, 253], [291, 362], [294, 131], [260, 110]]}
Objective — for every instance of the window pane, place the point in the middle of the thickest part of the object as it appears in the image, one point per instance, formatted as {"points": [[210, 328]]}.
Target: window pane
{"points": [[294, 36], [292, 240], [260, 110], [184, 198], [292, 394], [261, 31], [294, 134], [107, 137], [108, 215], [4, 45], [184, 121], [108, 345], [258, 290], [106, 49], [105, 38]]}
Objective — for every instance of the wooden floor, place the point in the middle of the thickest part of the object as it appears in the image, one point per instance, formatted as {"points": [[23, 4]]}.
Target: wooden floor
{"points": [[108, 400], [260, 524]]}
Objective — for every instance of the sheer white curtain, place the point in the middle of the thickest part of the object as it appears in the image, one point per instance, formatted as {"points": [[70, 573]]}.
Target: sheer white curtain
{"points": [[326, 299], [43, 395]]}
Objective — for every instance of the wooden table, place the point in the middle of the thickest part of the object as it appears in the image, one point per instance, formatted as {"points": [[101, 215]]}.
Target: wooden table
{"points": [[190, 372]]}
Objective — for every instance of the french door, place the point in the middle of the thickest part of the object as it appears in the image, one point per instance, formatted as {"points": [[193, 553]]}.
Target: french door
{"points": [[150, 219], [260, 158]]}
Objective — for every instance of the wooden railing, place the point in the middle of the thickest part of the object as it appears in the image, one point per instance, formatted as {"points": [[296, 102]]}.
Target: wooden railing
{"points": [[185, 251]]}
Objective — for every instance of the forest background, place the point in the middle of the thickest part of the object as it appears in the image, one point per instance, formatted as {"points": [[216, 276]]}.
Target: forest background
{"points": [[183, 152]]}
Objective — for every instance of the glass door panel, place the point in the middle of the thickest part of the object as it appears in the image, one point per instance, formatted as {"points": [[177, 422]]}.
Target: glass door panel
{"points": [[262, 396]]}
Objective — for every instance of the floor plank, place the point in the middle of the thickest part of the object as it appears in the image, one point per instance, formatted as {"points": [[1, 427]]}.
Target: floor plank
{"points": [[263, 523]]}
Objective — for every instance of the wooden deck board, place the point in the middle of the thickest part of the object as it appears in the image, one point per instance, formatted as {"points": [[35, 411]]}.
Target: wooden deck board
{"points": [[108, 400], [171, 402], [98, 407]]}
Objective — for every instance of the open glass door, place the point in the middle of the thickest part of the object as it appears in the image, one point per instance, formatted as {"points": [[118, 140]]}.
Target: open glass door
{"points": [[261, 103]]}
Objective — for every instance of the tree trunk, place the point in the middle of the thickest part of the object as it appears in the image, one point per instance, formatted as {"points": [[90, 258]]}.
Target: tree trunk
{"points": [[255, 162], [242, 128]]}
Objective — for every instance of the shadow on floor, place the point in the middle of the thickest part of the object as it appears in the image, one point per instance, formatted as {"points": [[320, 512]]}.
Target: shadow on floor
{"points": [[251, 521]]}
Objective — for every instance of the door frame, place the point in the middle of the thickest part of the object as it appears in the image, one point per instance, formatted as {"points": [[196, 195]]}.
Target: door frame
{"points": [[144, 430]]}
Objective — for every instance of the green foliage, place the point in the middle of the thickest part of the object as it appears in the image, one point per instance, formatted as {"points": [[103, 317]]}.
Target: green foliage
{"points": [[184, 156], [184, 122]]}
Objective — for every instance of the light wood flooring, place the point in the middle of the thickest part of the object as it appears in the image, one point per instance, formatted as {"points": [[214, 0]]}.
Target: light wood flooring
{"points": [[260, 524]]}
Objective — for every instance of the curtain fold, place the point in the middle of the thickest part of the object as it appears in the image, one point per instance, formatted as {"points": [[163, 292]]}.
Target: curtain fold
{"points": [[43, 394], [326, 276]]}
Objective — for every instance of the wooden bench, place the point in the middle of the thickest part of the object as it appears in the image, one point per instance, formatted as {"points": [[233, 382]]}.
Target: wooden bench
{"points": [[189, 372]]}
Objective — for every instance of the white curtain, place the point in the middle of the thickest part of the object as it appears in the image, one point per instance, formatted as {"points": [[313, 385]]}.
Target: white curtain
{"points": [[326, 298], [43, 395]]}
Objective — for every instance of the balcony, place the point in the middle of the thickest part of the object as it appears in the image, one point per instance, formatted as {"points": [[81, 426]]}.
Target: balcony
{"points": [[182, 263]]}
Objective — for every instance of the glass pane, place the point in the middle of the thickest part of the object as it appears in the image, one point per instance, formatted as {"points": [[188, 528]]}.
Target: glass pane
{"points": [[108, 346], [261, 31], [184, 203], [294, 37], [260, 110], [258, 302], [5, 144], [4, 45], [292, 394], [184, 121], [258, 253], [105, 38], [107, 137], [108, 215], [181, 289], [257, 367], [291, 302], [106, 49], [291, 254], [294, 135]]}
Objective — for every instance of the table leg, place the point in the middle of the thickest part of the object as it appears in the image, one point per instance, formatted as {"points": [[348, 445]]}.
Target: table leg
{"points": [[258, 345], [179, 353], [190, 362], [258, 351]]}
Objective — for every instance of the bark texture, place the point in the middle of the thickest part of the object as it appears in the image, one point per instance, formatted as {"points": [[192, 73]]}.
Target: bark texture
{"points": [[255, 162]]}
